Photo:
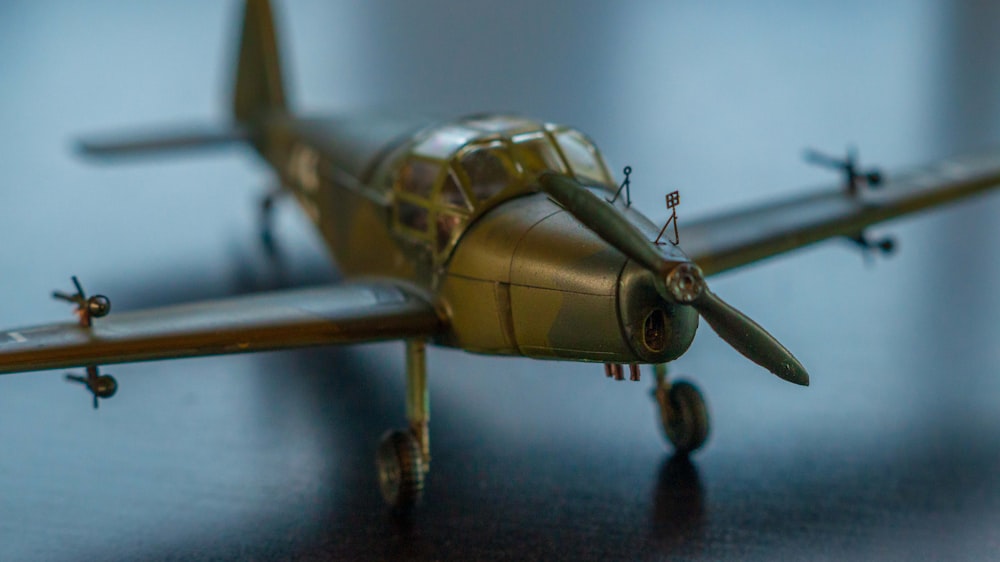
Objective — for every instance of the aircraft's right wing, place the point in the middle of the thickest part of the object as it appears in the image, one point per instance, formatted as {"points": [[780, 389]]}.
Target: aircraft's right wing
{"points": [[728, 240], [357, 312]]}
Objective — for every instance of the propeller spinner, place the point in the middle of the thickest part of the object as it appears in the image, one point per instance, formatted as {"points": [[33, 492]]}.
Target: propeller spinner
{"points": [[682, 280]]}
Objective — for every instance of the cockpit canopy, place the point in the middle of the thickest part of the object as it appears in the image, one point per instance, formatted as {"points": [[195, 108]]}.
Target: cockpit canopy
{"points": [[455, 170]]}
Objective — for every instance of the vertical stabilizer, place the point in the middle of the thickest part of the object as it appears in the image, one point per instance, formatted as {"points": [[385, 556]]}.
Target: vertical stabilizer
{"points": [[259, 85]]}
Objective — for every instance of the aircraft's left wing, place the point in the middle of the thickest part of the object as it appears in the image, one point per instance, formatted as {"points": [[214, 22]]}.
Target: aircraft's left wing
{"points": [[277, 320], [722, 242]]}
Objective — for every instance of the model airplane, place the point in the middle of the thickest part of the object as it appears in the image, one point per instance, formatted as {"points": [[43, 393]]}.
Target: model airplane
{"points": [[494, 234]]}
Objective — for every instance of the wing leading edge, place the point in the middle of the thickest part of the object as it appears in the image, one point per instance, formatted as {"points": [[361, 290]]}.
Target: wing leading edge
{"points": [[350, 313], [729, 240]]}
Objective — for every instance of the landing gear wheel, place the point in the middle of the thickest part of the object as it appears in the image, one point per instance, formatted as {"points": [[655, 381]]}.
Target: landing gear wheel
{"points": [[684, 415], [400, 469]]}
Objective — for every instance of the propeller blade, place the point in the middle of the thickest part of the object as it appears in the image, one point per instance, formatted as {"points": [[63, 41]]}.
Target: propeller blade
{"points": [[605, 221], [747, 337], [686, 285], [684, 281]]}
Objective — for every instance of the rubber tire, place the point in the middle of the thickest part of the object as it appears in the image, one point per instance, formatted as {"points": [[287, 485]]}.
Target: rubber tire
{"points": [[685, 423], [400, 466]]}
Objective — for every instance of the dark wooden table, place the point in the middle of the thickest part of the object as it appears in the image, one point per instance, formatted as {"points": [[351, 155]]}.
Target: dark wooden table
{"points": [[894, 452]]}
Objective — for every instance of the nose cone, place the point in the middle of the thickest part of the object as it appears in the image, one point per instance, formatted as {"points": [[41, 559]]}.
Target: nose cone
{"points": [[657, 329]]}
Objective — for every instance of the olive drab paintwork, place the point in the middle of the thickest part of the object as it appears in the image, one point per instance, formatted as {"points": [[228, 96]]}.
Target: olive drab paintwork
{"points": [[557, 291], [513, 272], [331, 167]]}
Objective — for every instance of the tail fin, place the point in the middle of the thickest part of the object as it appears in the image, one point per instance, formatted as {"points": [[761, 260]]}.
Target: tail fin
{"points": [[259, 92], [259, 85]]}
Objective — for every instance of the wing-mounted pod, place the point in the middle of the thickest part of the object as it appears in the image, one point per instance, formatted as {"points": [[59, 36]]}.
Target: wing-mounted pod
{"points": [[100, 386], [886, 245], [854, 177], [88, 308], [855, 180]]}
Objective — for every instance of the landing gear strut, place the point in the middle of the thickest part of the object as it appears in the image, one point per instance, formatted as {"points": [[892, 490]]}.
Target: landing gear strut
{"points": [[265, 220], [403, 457], [683, 413]]}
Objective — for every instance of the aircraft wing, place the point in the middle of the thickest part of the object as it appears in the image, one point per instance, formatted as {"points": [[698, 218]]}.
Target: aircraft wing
{"points": [[732, 239], [276, 320]]}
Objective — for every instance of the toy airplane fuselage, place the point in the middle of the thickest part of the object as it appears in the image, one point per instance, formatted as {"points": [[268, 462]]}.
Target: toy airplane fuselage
{"points": [[452, 208], [495, 234]]}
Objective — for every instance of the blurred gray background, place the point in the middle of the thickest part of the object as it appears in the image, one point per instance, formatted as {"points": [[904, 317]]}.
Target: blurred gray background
{"points": [[893, 452]]}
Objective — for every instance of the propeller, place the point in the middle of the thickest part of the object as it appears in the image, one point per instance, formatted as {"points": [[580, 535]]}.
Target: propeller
{"points": [[100, 386], [683, 281], [97, 306]]}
